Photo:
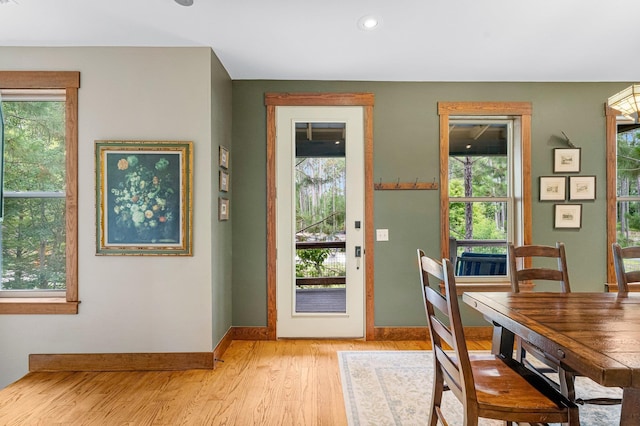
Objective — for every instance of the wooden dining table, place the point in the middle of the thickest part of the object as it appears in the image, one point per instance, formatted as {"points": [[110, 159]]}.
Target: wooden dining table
{"points": [[597, 335]]}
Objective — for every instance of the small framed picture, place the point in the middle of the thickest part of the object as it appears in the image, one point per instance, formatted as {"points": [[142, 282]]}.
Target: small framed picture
{"points": [[566, 160], [224, 181], [552, 188], [224, 157], [568, 216], [582, 188], [223, 208]]}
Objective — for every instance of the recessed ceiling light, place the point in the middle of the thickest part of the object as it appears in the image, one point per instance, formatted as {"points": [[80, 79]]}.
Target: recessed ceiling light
{"points": [[369, 22], [185, 2]]}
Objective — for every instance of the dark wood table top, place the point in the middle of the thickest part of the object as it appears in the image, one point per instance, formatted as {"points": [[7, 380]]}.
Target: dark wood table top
{"points": [[595, 334]]}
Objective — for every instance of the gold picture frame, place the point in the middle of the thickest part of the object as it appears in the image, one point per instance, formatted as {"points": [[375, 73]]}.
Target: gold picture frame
{"points": [[224, 181], [223, 209], [144, 192], [223, 159]]}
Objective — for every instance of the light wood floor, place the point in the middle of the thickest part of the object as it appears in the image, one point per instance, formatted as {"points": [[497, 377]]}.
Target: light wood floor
{"points": [[285, 382]]}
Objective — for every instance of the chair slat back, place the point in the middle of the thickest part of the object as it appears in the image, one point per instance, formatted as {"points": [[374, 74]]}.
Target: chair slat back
{"points": [[519, 272], [623, 276], [445, 326]]}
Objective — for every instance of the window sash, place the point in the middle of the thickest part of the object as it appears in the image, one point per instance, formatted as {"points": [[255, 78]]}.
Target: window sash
{"points": [[508, 199]]}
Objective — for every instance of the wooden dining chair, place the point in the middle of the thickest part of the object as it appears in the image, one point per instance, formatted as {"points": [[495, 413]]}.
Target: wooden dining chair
{"points": [[521, 269], [624, 277], [488, 386]]}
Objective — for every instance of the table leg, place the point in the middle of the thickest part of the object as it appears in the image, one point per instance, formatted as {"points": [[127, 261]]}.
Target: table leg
{"points": [[630, 413], [502, 341]]}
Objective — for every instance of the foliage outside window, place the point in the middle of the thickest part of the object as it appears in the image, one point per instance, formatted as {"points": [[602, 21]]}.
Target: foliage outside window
{"points": [[39, 234], [33, 229], [320, 216], [628, 191]]}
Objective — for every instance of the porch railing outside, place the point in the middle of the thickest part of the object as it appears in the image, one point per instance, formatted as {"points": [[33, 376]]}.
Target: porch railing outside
{"points": [[328, 270]]}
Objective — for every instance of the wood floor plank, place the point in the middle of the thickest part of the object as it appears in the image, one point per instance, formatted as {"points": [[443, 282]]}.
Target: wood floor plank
{"points": [[284, 382]]}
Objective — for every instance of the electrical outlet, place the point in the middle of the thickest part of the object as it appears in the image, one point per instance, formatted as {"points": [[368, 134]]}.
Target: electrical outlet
{"points": [[382, 234]]}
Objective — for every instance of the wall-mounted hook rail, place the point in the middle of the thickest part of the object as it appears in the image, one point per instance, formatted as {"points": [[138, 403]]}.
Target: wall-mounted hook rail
{"points": [[405, 185]]}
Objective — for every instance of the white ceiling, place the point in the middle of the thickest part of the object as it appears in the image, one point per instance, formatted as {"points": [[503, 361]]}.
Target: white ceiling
{"points": [[419, 40]]}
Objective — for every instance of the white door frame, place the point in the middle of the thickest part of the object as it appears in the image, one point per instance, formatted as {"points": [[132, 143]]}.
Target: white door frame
{"points": [[293, 324]]}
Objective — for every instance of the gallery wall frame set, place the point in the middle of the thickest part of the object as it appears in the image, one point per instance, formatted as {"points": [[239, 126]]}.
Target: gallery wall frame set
{"points": [[144, 196], [554, 188], [224, 179]]}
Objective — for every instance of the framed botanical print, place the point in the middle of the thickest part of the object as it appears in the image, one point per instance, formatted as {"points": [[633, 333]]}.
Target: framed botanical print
{"points": [[144, 197]]}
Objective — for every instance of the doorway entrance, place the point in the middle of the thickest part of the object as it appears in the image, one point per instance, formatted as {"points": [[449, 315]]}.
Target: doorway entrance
{"points": [[320, 221], [273, 101]]}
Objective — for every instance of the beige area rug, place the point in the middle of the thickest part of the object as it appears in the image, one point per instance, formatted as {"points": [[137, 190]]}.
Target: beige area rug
{"points": [[393, 388]]}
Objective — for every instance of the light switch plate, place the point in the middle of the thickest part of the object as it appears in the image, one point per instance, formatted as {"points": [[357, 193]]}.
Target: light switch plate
{"points": [[382, 235]]}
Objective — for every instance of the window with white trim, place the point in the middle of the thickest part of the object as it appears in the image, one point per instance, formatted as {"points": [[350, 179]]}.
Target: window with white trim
{"points": [[481, 195]]}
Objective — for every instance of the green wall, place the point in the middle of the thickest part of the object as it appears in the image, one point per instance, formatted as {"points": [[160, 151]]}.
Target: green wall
{"points": [[406, 147], [221, 265]]}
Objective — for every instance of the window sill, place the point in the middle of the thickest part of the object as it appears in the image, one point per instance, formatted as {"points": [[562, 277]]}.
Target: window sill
{"points": [[487, 287], [49, 305]]}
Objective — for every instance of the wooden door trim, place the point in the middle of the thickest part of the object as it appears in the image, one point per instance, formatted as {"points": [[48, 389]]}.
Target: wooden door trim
{"points": [[366, 100], [611, 129]]}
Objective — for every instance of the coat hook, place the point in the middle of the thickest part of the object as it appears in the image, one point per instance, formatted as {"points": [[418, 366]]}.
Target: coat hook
{"points": [[398, 183], [415, 184]]}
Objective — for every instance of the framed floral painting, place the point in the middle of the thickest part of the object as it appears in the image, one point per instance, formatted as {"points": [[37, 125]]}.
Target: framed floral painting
{"points": [[144, 197]]}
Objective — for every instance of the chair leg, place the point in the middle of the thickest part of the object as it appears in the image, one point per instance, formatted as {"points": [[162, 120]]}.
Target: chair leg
{"points": [[574, 419], [567, 383], [436, 399]]}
